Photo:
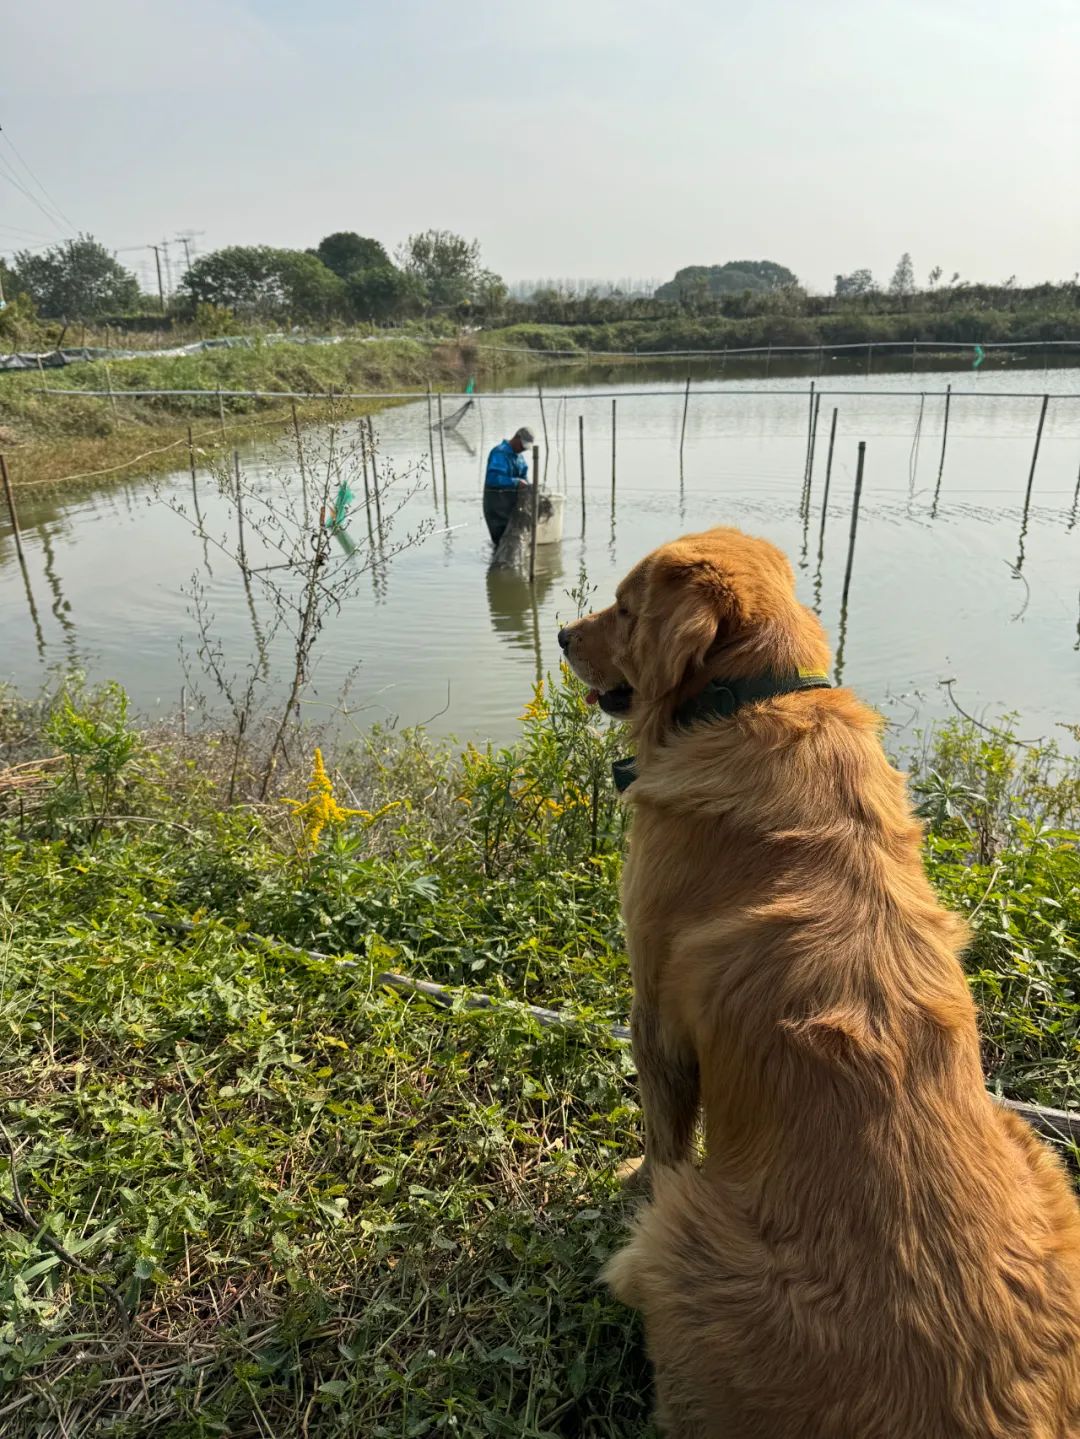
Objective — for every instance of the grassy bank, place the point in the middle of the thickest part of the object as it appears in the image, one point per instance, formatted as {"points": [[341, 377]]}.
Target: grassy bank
{"points": [[254, 1191], [684, 332], [49, 437]]}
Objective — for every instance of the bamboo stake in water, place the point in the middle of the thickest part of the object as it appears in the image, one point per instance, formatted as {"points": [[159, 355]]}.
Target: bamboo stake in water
{"points": [[1035, 458], [854, 525], [581, 457], [300, 462], [613, 456], [367, 486], [221, 413], [375, 475], [9, 494], [431, 448], [442, 452], [810, 462], [240, 511], [194, 477], [803, 500], [535, 514], [944, 442], [828, 477], [682, 432]]}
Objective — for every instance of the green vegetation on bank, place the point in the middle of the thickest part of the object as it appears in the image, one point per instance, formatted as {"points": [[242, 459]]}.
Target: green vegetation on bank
{"points": [[48, 436], [249, 1191]]}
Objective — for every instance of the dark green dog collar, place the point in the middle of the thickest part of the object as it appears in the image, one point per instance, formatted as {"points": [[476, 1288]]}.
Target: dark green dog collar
{"points": [[720, 699]]}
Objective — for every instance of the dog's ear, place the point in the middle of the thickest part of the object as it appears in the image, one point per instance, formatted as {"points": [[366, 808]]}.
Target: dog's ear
{"points": [[689, 604]]}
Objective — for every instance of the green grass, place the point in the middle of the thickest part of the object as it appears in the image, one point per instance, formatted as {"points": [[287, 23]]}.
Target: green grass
{"points": [[686, 332], [47, 437], [327, 1210]]}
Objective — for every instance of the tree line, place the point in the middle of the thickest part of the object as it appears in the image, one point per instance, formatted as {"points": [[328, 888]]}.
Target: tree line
{"points": [[348, 277]]}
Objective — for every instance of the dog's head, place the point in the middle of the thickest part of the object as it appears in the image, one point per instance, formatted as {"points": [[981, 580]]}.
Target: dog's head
{"points": [[712, 603]]}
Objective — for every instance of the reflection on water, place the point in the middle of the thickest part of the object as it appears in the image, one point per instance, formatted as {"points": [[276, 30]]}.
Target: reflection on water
{"points": [[515, 604], [933, 593]]}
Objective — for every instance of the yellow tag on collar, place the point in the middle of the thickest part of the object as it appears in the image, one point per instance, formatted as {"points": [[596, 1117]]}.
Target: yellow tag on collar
{"points": [[812, 674]]}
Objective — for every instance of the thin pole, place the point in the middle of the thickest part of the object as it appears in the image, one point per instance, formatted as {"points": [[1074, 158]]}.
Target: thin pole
{"points": [[239, 511], [221, 413], [112, 397], [828, 477], [9, 493], [806, 460], [1035, 455], [543, 419], [364, 466], [944, 442], [913, 349], [535, 514], [375, 475], [300, 461], [682, 434], [431, 447], [194, 477], [442, 452], [813, 450], [581, 458], [613, 454], [854, 524], [160, 286]]}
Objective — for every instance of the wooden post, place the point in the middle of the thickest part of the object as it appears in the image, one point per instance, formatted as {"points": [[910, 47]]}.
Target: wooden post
{"points": [[240, 511], [543, 419], [375, 475], [9, 494], [613, 456], [535, 514], [221, 413], [682, 432], [364, 465], [813, 450], [828, 477], [112, 397], [442, 452], [581, 457], [854, 524], [300, 462], [431, 447], [1035, 455], [944, 441], [806, 460]]}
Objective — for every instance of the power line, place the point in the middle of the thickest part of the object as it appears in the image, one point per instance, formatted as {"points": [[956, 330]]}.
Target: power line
{"points": [[11, 144], [12, 179]]}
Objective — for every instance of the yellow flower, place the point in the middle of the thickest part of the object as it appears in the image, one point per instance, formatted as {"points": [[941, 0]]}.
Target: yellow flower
{"points": [[537, 706], [321, 808]]}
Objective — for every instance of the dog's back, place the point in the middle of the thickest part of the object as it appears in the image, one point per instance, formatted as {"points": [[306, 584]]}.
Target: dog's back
{"points": [[873, 1247]]}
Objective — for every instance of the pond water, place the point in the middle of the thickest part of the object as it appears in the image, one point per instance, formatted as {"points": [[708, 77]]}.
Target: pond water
{"points": [[966, 594]]}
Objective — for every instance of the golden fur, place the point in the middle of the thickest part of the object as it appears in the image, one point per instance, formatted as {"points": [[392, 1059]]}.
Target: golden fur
{"points": [[872, 1248]]}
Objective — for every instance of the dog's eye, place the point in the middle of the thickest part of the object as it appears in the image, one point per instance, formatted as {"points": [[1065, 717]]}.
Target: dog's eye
{"points": [[622, 612]]}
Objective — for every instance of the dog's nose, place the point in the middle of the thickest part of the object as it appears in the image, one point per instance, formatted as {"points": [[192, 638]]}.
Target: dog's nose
{"points": [[564, 638]]}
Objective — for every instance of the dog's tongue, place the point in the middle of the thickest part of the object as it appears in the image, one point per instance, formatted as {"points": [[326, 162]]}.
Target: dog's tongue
{"points": [[592, 696]]}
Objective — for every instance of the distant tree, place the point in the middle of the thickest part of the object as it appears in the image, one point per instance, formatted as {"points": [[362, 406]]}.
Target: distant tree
{"points": [[78, 280], [384, 292], [261, 280], [446, 265], [934, 276], [732, 278], [859, 282], [903, 280], [345, 252]]}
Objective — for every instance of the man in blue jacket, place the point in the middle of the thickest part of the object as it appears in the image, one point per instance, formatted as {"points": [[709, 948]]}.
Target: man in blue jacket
{"points": [[507, 471]]}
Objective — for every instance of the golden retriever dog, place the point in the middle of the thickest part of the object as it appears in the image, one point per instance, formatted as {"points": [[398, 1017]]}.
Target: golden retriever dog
{"points": [[871, 1248]]}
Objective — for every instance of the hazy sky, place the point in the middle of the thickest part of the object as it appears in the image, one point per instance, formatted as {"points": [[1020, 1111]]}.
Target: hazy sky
{"points": [[571, 137]]}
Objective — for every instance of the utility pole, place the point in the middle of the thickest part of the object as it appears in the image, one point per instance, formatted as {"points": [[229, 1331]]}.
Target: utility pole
{"points": [[187, 238], [160, 286], [168, 268]]}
